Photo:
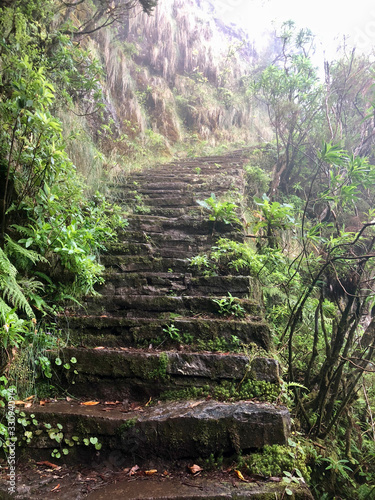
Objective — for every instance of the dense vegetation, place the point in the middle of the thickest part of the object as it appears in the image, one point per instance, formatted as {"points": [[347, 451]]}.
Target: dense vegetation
{"points": [[313, 229], [316, 252], [309, 210], [52, 227]]}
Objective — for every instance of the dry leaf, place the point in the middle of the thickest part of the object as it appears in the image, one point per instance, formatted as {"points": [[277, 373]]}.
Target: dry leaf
{"points": [[165, 473], [275, 479], [195, 469], [90, 403], [19, 402], [133, 470], [56, 488], [195, 403], [112, 402], [150, 472], [99, 347], [30, 397], [28, 405], [42, 402], [240, 476], [68, 399], [49, 464]]}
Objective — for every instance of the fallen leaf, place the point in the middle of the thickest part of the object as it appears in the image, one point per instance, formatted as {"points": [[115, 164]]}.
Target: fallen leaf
{"points": [[195, 469], [90, 403], [49, 464], [165, 473], [99, 347], [148, 402], [112, 402], [30, 397], [28, 405], [275, 479], [19, 403], [150, 472], [56, 488], [103, 316], [133, 470], [240, 476], [195, 403], [68, 399], [42, 402], [135, 406]]}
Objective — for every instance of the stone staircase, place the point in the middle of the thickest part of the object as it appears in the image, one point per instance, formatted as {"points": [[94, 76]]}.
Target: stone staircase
{"points": [[154, 354]]}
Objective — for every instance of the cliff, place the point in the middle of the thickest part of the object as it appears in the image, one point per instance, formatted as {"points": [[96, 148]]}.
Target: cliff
{"points": [[174, 82]]}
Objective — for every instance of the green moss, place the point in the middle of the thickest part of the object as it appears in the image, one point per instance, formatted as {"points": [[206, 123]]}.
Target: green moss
{"points": [[128, 424], [228, 391], [160, 372], [275, 459]]}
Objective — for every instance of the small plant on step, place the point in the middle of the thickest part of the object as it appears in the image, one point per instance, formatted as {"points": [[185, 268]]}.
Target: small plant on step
{"points": [[228, 306], [173, 332], [202, 264], [223, 211]]}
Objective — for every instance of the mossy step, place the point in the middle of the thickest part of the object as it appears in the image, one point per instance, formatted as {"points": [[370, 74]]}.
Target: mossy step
{"points": [[114, 331], [169, 187], [158, 242], [113, 374], [180, 283], [189, 224], [198, 488], [174, 212], [160, 304], [129, 248], [141, 263], [177, 430], [171, 201]]}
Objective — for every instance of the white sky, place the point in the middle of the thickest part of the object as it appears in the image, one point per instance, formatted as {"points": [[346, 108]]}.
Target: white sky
{"points": [[326, 18]]}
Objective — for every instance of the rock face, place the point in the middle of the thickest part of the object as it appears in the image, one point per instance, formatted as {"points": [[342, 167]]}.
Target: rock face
{"points": [[197, 429], [156, 327]]}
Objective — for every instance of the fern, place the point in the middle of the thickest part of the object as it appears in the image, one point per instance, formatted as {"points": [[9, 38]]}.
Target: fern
{"points": [[4, 309], [10, 290], [23, 256]]}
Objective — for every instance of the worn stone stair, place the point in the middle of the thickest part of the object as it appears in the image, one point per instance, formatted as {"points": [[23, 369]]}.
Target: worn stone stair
{"points": [[127, 362]]}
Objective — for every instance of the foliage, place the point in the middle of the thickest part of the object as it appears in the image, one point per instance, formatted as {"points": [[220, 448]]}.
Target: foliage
{"points": [[272, 216], [230, 306], [222, 211], [279, 460], [291, 91], [228, 391]]}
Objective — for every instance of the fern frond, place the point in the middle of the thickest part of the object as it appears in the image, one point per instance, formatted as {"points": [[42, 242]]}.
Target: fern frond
{"points": [[24, 255], [27, 231], [13, 293], [4, 310], [30, 285], [6, 267]]}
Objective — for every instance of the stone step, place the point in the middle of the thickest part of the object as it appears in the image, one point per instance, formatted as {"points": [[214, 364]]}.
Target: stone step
{"points": [[118, 374], [145, 263], [186, 224], [199, 187], [181, 284], [130, 305], [158, 243], [120, 331], [198, 488], [176, 430]]}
